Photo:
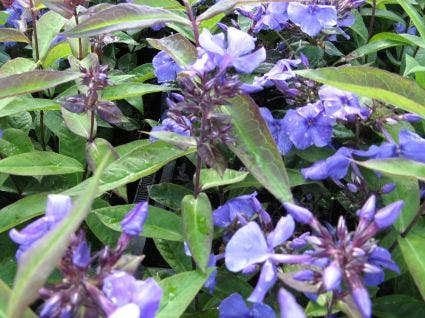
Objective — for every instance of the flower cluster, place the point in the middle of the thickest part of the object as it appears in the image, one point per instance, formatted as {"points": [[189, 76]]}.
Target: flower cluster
{"points": [[330, 259], [95, 78], [111, 291], [344, 262], [313, 124]]}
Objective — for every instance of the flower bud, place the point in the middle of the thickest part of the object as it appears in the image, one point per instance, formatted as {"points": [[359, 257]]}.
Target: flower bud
{"points": [[386, 216], [133, 222], [332, 277], [300, 214]]}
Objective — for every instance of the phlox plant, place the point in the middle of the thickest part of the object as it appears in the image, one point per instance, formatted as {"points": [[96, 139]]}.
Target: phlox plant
{"points": [[212, 158]]}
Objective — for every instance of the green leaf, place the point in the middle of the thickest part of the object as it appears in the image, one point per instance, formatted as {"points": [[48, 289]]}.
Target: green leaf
{"points": [[406, 39], [396, 166], [26, 104], [168, 194], [37, 263], [15, 141], [414, 15], [174, 255], [60, 7], [198, 227], [374, 83], [179, 291], [210, 178], [124, 16], [414, 255], [59, 51], [48, 27], [396, 306], [127, 90], [225, 6], [79, 124], [370, 48], [34, 81], [165, 4], [16, 66], [95, 152], [139, 163], [12, 35], [178, 47], [256, 148], [39, 163], [4, 299], [159, 224]]}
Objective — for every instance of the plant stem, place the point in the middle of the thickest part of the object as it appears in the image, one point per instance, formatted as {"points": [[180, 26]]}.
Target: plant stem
{"points": [[80, 42], [372, 20], [193, 20], [37, 57], [91, 126], [412, 223]]}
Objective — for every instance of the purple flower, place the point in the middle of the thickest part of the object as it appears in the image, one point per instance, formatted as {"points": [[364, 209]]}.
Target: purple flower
{"points": [[279, 75], [335, 167], [308, 125], [411, 145], [402, 28], [240, 208], [289, 308], [58, 206], [81, 255], [275, 18], [312, 18], [342, 105], [344, 261], [165, 68], [277, 130], [249, 247], [133, 222], [132, 298], [236, 51], [169, 124], [235, 307]]}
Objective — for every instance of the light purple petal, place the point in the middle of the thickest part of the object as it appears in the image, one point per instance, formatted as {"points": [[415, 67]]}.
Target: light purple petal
{"points": [[247, 247], [128, 311], [58, 206], [283, 231], [212, 43], [233, 307], [147, 296], [332, 277], [239, 42], [289, 308], [362, 299], [267, 279], [248, 63]]}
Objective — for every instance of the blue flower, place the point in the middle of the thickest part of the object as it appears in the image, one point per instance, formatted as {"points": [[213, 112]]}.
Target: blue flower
{"points": [[133, 222], [81, 255], [277, 130], [312, 18], [165, 68], [279, 75], [236, 51], [289, 308], [235, 209], [342, 105], [308, 125], [275, 18], [249, 247], [235, 307], [58, 206], [132, 298], [169, 124]]}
